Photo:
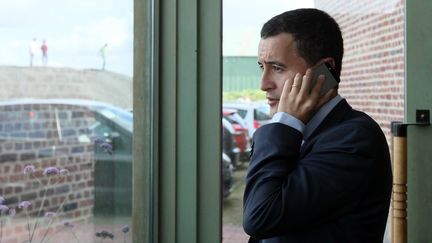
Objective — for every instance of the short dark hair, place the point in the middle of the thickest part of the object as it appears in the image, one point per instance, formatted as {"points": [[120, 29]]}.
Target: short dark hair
{"points": [[316, 34]]}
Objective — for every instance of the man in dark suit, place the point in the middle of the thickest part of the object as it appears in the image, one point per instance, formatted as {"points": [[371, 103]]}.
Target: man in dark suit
{"points": [[320, 172]]}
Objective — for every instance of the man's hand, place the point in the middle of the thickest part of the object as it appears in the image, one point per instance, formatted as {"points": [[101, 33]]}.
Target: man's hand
{"points": [[298, 100]]}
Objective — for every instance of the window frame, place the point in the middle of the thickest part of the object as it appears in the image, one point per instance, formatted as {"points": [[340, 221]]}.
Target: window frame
{"points": [[177, 101]]}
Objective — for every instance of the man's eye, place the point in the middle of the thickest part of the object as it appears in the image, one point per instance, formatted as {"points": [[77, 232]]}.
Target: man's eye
{"points": [[277, 68], [261, 66]]}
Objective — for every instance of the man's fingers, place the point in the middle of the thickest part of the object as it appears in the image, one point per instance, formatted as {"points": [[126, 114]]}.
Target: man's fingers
{"points": [[287, 88], [283, 99], [306, 82], [299, 100], [326, 98], [297, 83], [316, 90]]}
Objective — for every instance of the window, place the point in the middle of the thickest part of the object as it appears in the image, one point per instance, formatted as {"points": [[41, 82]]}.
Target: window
{"points": [[241, 90], [66, 121]]}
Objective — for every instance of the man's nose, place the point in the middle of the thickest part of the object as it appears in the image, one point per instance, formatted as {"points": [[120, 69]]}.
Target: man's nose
{"points": [[266, 81]]}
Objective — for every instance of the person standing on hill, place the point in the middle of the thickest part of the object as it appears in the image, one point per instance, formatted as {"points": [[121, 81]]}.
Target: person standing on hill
{"points": [[102, 53], [44, 49], [32, 50]]}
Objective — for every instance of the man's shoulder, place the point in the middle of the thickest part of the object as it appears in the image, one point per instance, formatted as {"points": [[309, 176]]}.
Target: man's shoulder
{"points": [[361, 119], [357, 128]]}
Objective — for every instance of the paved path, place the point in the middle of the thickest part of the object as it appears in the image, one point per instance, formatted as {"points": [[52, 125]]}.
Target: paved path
{"points": [[234, 234]]}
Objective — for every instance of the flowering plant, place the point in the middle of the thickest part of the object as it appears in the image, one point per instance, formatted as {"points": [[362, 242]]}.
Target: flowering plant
{"points": [[4, 212], [42, 227]]}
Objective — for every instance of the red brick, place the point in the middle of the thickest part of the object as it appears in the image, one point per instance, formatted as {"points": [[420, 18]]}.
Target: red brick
{"points": [[373, 68]]}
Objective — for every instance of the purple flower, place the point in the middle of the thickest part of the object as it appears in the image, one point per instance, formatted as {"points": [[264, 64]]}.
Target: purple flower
{"points": [[98, 141], [51, 171], [24, 204], [2, 200], [12, 212], [107, 147], [104, 234], [64, 172], [125, 228], [50, 214], [104, 144], [68, 224], [29, 169], [4, 209]]}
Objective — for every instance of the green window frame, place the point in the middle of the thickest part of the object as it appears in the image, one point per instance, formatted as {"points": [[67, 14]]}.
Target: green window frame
{"points": [[177, 100]]}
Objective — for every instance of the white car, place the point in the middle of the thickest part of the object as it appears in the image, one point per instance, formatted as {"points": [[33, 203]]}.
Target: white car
{"points": [[254, 114]]}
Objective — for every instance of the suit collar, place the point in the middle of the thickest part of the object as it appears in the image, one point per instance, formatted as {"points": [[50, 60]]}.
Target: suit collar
{"points": [[333, 117], [319, 116]]}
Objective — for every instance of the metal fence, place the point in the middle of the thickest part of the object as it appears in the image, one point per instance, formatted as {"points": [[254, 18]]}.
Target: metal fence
{"points": [[240, 73]]}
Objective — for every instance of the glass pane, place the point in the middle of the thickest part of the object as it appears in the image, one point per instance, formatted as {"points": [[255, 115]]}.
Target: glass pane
{"points": [[372, 73], [66, 121], [242, 99]]}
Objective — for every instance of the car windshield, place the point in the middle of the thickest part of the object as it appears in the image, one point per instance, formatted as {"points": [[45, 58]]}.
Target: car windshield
{"points": [[242, 112], [262, 113], [235, 118], [42, 121], [123, 117]]}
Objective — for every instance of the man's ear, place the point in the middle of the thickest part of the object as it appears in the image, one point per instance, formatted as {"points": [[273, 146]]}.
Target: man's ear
{"points": [[328, 60]]}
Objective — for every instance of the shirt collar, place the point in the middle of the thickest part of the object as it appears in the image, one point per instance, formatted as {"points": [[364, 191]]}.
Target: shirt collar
{"points": [[320, 115]]}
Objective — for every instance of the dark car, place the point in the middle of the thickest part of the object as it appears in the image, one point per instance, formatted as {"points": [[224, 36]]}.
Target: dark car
{"points": [[229, 143], [241, 134]]}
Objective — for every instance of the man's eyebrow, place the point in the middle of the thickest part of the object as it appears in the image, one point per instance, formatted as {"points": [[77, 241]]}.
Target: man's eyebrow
{"points": [[273, 63]]}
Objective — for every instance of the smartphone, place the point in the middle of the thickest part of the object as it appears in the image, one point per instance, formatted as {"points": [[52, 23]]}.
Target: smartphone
{"points": [[331, 79]]}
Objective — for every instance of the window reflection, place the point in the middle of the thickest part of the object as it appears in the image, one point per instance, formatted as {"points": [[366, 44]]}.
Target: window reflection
{"points": [[65, 121], [69, 163], [373, 64]]}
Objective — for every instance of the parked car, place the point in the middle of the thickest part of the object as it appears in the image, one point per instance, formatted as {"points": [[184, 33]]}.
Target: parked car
{"points": [[241, 134], [254, 114], [227, 175], [229, 143], [93, 140]]}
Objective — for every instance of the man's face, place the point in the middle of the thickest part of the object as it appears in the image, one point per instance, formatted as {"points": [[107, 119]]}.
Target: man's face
{"points": [[279, 61]]}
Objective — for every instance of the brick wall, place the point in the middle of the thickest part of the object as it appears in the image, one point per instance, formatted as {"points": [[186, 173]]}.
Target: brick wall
{"points": [[373, 65]]}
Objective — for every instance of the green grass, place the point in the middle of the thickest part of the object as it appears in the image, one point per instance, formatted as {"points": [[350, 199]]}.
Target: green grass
{"points": [[248, 94]]}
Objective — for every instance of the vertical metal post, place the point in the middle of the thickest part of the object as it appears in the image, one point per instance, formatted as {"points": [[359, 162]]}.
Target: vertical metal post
{"points": [[399, 197]]}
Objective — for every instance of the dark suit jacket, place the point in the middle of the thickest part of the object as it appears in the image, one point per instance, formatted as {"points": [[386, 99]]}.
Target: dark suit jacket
{"points": [[334, 188]]}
